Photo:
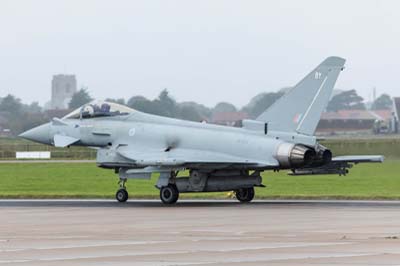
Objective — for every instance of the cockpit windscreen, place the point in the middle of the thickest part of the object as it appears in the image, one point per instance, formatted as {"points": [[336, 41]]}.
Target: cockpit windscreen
{"points": [[99, 109]]}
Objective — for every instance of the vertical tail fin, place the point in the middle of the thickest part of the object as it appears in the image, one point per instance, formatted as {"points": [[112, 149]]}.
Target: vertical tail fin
{"points": [[300, 109]]}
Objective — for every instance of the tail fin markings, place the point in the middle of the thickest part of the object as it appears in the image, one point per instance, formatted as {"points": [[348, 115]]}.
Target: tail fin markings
{"points": [[300, 109]]}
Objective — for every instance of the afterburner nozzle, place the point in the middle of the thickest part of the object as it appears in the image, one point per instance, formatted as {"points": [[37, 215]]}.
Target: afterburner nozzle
{"points": [[291, 155]]}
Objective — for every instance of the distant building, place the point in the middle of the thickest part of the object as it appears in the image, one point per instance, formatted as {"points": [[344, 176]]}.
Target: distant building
{"points": [[4, 129], [228, 118], [355, 122], [63, 87]]}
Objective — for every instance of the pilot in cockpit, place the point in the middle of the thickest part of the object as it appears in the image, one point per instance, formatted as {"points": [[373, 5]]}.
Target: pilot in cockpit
{"points": [[99, 109], [105, 108], [94, 110], [88, 111]]}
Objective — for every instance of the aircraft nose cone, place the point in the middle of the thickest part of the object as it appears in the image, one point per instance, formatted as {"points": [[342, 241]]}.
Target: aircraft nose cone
{"points": [[38, 134]]}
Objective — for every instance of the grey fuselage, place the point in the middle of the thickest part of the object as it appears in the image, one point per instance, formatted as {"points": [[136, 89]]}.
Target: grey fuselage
{"points": [[140, 131]]}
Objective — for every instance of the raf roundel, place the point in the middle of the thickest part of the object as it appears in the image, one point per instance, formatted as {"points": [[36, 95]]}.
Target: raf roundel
{"points": [[132, 132]]}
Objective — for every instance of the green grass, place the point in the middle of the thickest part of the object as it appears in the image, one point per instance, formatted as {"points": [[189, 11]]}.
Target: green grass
{"points": [[85, 180], [389, 147], [365, 181]]}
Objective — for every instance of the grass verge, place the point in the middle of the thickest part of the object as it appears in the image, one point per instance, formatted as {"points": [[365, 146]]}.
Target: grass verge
{"points": [[85, 180]]}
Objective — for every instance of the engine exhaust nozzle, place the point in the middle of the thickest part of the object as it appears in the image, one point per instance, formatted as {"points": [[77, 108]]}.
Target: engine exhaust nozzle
{"points": [[291, 155]]}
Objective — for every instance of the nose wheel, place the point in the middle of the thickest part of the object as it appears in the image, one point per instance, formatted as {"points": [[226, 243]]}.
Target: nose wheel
{"points": [[122, 193]]}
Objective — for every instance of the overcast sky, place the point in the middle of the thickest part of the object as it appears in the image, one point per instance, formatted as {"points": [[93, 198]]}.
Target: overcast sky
{"points": [[204, 51]]}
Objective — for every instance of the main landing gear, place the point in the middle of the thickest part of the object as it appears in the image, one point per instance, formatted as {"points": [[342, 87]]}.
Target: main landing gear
{"points": [[245, 194], [122, 193], [242, 185], [169, 194]]}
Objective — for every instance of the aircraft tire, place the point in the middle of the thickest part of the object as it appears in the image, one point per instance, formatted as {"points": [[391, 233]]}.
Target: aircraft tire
{"points": [[245, 194], [122, 195], [169, 194]]}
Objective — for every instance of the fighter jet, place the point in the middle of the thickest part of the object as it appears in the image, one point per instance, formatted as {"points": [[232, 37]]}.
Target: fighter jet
{"points": [[215, 158]]}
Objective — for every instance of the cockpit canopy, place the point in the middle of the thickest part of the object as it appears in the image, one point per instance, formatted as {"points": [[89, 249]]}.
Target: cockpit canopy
{"points": [[99, 109]]}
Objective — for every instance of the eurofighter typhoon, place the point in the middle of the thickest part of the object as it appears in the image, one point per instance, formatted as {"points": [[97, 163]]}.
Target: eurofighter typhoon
{"points": [[216, 158]]}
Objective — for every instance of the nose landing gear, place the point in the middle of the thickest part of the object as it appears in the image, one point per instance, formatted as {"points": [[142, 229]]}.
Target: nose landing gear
{"points": [[122, 194]]}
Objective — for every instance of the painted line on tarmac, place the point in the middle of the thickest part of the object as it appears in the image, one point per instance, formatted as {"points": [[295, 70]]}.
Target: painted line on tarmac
{"points": [[344, 202]]}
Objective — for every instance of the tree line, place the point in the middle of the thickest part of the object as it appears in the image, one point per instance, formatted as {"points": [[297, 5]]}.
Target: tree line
{"points": [[19, 116]]}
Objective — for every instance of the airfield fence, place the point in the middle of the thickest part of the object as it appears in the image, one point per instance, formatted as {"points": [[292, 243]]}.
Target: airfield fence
{"points": [[8, 151]]}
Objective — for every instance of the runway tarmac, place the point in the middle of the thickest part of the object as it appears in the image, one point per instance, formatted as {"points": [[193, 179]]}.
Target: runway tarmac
{"points": [[98, 232]]}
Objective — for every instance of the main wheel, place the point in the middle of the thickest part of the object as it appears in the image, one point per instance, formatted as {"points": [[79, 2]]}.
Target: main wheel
{"points": [[245, 194], [169, 194], [122, 195]]}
